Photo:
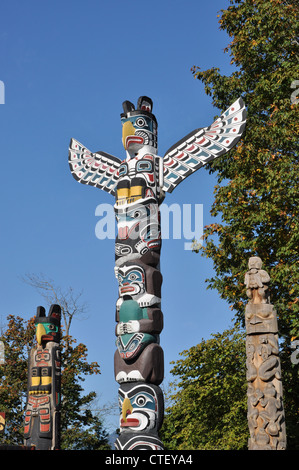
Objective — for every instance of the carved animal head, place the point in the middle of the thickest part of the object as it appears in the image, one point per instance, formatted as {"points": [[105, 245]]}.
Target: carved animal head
{"points": [[139, 126], [48, 327]]}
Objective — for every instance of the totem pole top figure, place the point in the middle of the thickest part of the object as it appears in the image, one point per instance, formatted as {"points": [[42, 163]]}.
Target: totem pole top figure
{"points": [[139, 128], [256, 281], [139, 136], [48, 326]]}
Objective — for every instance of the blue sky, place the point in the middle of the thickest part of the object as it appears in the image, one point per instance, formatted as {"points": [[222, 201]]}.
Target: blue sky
{"points": [[67, 67]]}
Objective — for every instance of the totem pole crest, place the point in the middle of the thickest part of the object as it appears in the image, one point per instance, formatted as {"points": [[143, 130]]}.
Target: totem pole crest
{"points": [[42, 416], [139, 184]]}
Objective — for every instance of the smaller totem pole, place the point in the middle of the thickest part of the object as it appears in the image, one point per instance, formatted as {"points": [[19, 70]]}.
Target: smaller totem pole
{"points": [[266, 419], [42, 417]]}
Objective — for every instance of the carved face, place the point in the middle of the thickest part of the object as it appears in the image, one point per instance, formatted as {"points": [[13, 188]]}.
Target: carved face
{"points": [[255, 262], [138, 228], [139, 129], [141, 407], [48, 327], [139, 282], [131, 345], [47, 332], [130, 219], [131, 280], [139, 126]]}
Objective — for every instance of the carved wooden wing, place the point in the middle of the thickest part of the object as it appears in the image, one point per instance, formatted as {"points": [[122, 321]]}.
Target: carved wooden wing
{"points": [[95, 169], [203, 145]]}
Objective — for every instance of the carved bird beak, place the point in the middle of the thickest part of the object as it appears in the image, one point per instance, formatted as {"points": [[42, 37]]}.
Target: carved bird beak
{"points": [[128, 130], [129, 136], [40, 332], [127, 407]]}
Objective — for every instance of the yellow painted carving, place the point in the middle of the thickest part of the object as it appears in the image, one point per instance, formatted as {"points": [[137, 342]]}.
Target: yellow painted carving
{"points": [[125, 408], [35, 381], [40, 331], [128, 129], [136, 192], [46, 380]]}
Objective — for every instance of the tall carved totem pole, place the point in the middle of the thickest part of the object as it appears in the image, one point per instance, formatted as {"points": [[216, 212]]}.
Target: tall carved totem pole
{"points": [[42, 415], [139, 183], [266, 420]]}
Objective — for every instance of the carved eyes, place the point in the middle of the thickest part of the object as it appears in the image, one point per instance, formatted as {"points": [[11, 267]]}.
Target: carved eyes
{"points": [[137, 214], [131, 277], [141, 400], [140, 122], [123, 170], [144, 165]]}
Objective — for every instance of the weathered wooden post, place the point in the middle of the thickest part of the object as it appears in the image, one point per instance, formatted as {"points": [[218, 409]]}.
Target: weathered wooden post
{"points": [[266, 420], [42, 415], [139, 184]]}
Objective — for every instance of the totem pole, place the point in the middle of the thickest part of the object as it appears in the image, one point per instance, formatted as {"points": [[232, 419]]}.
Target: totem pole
{"points": [[42, 416], [139, 184], [266, 419]]}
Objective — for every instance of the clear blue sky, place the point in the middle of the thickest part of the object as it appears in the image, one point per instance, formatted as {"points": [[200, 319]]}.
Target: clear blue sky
{"points": [[67, 67]]}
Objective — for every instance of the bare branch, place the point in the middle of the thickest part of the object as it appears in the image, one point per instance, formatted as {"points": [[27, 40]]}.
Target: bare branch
{"points": [[70, 302]]}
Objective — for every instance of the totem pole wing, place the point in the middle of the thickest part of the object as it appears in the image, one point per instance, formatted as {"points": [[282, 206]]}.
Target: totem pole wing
{"points": [[97, 169], [204, 145]]}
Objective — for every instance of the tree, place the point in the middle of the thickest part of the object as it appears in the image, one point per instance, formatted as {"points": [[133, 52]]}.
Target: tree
{"points": [[256, 196], [70, 302], [258, 203], [209, 405], [81, 427], [17, 339]]}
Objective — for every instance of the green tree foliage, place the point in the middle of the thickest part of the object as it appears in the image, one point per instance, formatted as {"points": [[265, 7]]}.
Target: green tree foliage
{"points": [[256, 196], [209, 403], [17, 339], [81, 427], [258, 200]]}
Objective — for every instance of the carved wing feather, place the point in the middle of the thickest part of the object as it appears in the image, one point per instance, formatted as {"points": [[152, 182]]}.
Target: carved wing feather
{"points": [[95, 169], [203, 145]]}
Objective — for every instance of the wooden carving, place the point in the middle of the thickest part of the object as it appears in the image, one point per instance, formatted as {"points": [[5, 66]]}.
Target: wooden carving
{"points": [[42, 416], [266, 419], [139, 183]]}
